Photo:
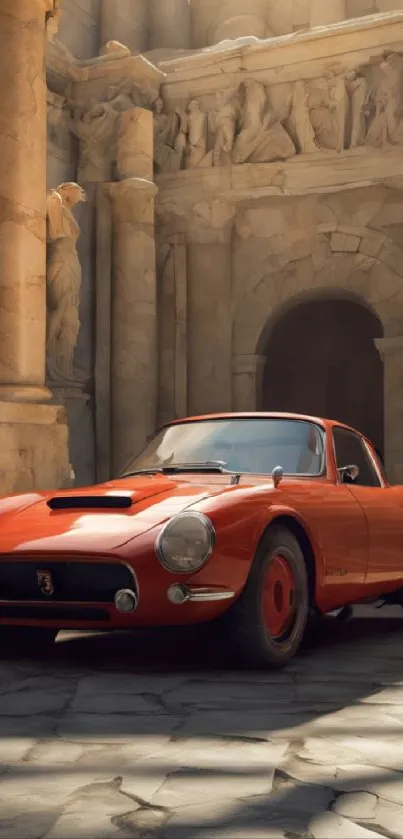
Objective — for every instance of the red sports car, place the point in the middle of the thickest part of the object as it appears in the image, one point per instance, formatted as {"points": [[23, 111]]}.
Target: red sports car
{"points": [[258, 520]]}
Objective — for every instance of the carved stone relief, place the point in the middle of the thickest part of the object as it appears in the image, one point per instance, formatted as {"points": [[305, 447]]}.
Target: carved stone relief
{"points": [[96, 128], [342, 110], [63, 280], [385, 104], [262, 137], [169, 140]]}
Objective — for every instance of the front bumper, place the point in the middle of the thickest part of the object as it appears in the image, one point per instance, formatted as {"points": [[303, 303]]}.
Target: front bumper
{"points": [[80, 593]]}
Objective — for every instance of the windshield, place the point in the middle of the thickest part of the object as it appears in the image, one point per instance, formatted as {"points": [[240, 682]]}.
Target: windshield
{"points": [[242, 445]]}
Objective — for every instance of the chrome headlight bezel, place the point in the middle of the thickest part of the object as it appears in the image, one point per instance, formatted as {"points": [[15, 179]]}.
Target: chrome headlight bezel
{"points": [[210, 532]]}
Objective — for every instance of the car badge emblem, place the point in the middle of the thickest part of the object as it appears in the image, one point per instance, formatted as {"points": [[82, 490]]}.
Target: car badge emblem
{"points": [[45, 582]]}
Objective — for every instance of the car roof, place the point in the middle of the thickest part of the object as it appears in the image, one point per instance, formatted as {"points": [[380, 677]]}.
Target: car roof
{"points": [[325, 423]]}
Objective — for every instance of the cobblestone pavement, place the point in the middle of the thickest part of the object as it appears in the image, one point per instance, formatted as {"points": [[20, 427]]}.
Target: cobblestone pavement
{"points": [[154, 737]]}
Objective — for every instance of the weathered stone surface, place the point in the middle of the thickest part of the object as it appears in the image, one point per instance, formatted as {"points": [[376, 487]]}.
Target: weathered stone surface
{"points": [[198, 766]]}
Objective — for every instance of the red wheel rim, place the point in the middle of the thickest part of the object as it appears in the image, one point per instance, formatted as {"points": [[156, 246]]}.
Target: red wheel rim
{"points": [[278, 596]]}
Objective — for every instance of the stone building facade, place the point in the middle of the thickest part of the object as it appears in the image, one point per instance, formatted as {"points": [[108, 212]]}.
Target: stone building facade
{"points": [[241, 246]]}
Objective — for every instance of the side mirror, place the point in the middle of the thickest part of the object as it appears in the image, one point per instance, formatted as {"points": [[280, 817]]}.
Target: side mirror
{"points": [[348, 474]]}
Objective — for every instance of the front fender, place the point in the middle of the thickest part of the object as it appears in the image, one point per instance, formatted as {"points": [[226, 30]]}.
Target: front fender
{"points": [[282, 512]]}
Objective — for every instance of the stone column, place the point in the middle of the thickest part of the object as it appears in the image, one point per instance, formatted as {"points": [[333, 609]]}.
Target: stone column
{"points": [[125, 21], [247, 373], [213, 22], [23, 114], [134, 319], [209, 320], [33, 434], [391, 352], [325, 12], [173, 329], [169, 23]]}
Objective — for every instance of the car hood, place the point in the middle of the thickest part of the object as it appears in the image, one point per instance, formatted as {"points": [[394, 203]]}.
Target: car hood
{"points": [[28, 524]]}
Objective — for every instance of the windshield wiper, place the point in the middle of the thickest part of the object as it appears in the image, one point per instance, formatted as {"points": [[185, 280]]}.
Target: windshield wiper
{"points": [[203, 466]]}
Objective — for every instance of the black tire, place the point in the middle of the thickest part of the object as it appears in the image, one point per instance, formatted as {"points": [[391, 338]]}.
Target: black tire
{"points": [[27, 639], [249, 633]]}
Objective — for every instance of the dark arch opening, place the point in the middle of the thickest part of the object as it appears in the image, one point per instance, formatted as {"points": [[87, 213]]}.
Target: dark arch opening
{"points": [[322, 360]]}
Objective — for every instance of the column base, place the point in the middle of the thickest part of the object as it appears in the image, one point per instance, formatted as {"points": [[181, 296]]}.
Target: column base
{"points": [[25, 394], [33, 448]]}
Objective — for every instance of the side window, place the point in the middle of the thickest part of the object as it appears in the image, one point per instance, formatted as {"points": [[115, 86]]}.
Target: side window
{"points": [[350, 451]]}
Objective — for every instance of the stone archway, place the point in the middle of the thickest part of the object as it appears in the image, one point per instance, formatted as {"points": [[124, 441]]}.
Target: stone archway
{"points": [[367, 266], [321, 359]]}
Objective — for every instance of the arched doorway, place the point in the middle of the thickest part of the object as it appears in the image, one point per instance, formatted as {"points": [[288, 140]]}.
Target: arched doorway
{"points": [[322, 360]]}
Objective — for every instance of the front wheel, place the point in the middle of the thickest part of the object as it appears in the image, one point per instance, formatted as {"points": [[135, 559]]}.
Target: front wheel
{"points": [[27, 639], [268, 621]]}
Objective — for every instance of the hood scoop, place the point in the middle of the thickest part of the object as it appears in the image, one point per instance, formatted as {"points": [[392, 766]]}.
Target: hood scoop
{"points": [[90, 502]]}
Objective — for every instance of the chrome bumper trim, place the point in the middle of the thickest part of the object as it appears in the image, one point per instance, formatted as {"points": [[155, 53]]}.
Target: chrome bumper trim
{"points": [[178, 594], [207, 594]]}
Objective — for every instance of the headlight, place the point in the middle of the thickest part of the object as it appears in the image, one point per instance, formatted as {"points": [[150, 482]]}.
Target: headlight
{"points": [[185, 543]]}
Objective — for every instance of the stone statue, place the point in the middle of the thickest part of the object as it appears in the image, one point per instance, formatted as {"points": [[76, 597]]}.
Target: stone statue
{"points": [[63, 282], [300, 120], [262, 138], [194, 128], [386, 125], [169, 142], [357, 89], [52, 19], [338, 106], [329, 103], [224, 128], [95, 129]]}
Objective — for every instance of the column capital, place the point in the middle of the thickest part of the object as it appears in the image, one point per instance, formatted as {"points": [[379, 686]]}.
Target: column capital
{"points": [[133, 200], [387, 346], [210, 222]]}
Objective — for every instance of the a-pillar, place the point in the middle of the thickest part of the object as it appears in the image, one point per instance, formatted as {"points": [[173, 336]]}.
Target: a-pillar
{"points": [[134, 377], [125, 21], [247, 382], [391, 352], [209, 266], [325, 12], [169, 23], [33, 434]]}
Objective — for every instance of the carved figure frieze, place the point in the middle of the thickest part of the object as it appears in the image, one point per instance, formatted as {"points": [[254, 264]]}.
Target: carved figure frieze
{"points": [[385, 104], [169, 139], [300, 122], [63, 283], [195, 130], [342, 110], [224, 124], [262, 137], [358, 92]]}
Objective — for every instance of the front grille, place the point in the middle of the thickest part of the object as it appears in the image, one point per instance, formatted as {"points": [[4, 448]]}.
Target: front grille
{"points": [[53, 613], [77, 582]]}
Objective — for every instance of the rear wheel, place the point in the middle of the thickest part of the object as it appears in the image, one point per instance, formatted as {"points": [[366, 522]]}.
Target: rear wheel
{"points": [[268, 621], [29, 639]]}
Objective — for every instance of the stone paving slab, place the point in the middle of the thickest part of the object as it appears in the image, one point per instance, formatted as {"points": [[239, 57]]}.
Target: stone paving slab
{"points": [[162, 740]]}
